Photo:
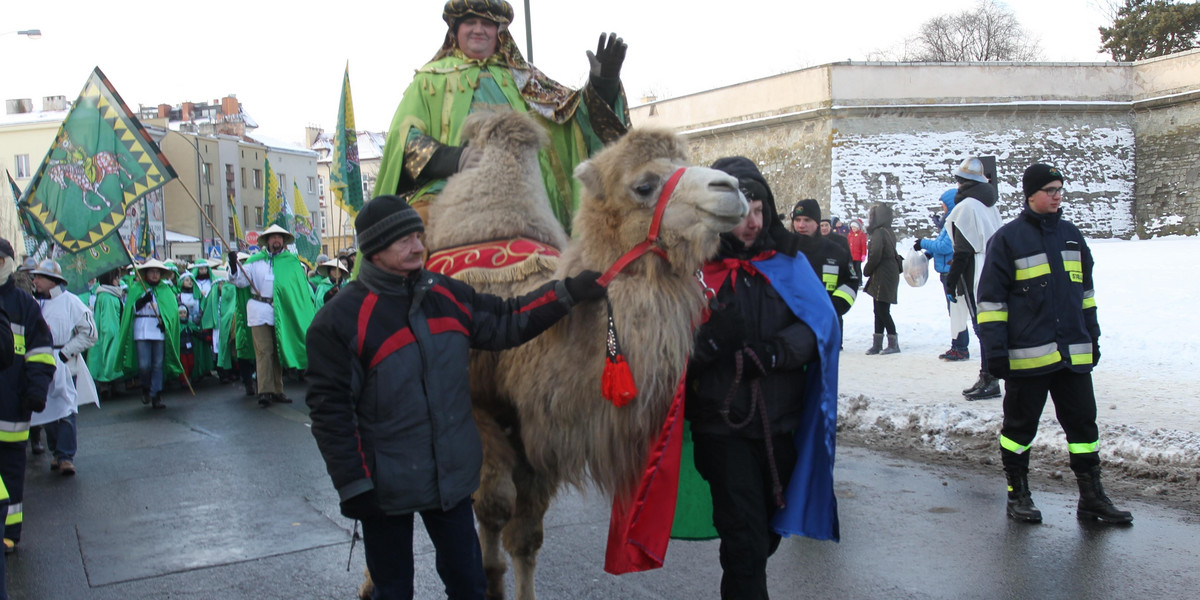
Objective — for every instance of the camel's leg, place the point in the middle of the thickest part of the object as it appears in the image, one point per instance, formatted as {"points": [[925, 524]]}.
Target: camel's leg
{"points": [[494, 501], [524, 534]]}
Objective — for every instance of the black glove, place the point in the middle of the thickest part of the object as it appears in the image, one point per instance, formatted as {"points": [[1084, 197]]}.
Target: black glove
{"points": [[917, 245], [767, 353], [720, 335], [160, 326], [583, 287], [949, 288], [609, 56], [64, 357], [233, 263], [32, 404], [1095, 353], [362, 507], [144, 300], [998, 367]]}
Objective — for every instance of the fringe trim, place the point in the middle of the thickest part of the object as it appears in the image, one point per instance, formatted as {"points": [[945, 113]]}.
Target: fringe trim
{"points": [[537, 263]]}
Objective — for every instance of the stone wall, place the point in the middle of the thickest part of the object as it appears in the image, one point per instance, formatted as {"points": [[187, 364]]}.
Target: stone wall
{"points": [[1126, 135]]}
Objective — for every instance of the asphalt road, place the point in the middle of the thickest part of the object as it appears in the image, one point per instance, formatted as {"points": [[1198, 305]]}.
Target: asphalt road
{"points": [[216, 498]]}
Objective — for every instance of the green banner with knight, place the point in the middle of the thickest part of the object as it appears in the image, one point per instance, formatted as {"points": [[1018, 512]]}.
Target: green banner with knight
{"points": [[102, 162]]}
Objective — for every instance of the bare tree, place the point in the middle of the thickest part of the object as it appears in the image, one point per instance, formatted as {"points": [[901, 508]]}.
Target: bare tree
{"points": [[988, 32]]}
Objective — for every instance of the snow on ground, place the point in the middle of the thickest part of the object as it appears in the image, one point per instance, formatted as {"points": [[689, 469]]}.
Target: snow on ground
{"points": [[1147, 383]]}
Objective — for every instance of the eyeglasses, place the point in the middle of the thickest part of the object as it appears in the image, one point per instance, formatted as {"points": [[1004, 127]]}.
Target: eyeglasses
{"points": [[1053, 191]]}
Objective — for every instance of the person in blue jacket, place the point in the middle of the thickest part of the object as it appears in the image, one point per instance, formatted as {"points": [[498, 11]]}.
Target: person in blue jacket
{"points": [[1039, 331], [942, 249]]}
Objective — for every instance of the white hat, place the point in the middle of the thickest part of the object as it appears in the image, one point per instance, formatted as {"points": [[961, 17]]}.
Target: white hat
{"points": [[153, 263], [288, 238], [324, 267]]}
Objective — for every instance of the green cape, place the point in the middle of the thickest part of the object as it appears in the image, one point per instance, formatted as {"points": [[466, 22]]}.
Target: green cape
{"points": [[438, 101], [168, 308], [294, 308], [102, 357]]}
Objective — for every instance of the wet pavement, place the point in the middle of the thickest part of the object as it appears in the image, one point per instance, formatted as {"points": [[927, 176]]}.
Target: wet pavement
{"points": [[216, 498]]}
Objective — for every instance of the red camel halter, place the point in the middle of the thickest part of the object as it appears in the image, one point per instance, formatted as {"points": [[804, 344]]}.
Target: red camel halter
{"points": [[650, 244]]}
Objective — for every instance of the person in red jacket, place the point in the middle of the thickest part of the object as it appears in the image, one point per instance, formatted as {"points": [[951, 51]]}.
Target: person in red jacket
{"points": [[858, 245]]}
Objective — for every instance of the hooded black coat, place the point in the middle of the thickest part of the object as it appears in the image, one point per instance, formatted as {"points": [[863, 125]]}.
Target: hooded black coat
{"points": [[883, 263]]}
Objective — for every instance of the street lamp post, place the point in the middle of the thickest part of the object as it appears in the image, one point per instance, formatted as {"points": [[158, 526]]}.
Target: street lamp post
{"points": [[32, 34]]}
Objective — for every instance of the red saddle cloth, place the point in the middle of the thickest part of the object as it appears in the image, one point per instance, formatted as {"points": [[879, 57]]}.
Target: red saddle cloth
{"points": [[497, 254]]}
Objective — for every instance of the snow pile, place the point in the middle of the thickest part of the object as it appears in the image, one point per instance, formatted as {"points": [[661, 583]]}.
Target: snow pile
{"points": [[1146, 383]]}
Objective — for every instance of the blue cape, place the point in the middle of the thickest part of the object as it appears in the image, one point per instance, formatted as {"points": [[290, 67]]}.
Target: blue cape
{"points": [[811, 509]]}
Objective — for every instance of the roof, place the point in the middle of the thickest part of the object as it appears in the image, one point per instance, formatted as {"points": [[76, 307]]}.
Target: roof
{"points": [[175, 236]]}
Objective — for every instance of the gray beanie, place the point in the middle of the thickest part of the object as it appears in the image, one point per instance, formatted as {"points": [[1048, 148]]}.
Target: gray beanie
{"points": [[384, 220]]}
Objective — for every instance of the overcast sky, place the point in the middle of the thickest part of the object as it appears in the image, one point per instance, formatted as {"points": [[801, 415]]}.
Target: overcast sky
{"points": [[284, 61]]}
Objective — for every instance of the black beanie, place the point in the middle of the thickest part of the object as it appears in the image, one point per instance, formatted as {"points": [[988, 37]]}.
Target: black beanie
{"points": [[1037, 176], [384, 220], [807, 208]]}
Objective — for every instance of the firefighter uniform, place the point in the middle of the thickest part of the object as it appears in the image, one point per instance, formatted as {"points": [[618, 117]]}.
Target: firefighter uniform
{"points": [[831, 261], [25, 384], [1037, 311]]}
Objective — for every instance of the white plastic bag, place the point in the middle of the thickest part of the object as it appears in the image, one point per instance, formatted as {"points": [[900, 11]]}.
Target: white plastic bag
{"points": [[916, 268]]}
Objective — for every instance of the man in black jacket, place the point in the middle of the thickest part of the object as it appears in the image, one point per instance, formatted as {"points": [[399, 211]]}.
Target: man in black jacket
{"points": [[830, 258], [746, 383], [389, 395], [1039, 330]]}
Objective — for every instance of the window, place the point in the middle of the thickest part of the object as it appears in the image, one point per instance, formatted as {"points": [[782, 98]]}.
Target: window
{"points": [[321, 186], [208, 210], [232, 235], [258, 179], [206, 173], [243, 178], [22, 161], [246, 216], [258, 216], [312, 184], [282, 181]]}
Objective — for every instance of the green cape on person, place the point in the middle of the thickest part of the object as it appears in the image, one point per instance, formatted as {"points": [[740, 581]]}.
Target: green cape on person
{"points": [[168, 308], [439, 99], [226, 295], [693, 503], [294, 307], [102, 357]]}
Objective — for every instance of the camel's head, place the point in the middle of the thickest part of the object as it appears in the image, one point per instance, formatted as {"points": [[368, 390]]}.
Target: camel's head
{"points": [[512, 131], [622, 188]]}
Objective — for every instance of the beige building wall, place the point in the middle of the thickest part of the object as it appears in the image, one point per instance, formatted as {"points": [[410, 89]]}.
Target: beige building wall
{"points": [[29, 135]]}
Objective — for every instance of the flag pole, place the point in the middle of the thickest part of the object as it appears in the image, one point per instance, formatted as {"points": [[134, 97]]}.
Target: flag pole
{"points": [[216, 231], [153, 304]]}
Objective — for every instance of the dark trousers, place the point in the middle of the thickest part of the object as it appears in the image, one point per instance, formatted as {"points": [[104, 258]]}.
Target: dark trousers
{"points": [[883, 318], [739, 475], [388, 544], [1074, 405]]}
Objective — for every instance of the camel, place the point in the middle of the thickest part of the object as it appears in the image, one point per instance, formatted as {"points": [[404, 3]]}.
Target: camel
{"points": [[539, 407]]}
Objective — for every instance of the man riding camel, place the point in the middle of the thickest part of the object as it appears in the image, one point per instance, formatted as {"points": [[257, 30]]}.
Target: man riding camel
{"points": [[480, 68]]}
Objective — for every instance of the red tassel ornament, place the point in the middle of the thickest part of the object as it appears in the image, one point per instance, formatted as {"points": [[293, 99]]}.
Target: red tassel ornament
{"points": [[616, 383]]}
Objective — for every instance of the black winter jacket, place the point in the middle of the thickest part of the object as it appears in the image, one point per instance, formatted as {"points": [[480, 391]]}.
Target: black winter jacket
{"points": [[1036, 300], [831, 261], [762, 320], [388, 390], [26, 381], [883, 263]]}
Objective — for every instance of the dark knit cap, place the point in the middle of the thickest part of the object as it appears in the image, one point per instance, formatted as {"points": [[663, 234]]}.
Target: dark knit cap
{"points": [[807, 208], [6, 248], [1037, 176], [384, 220]]}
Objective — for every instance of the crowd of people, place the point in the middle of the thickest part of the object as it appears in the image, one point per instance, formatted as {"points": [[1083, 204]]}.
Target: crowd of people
{"points": [[762, 383]]}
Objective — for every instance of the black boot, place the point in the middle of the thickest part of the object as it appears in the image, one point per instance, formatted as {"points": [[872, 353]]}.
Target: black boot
{"points": [[1093, 504], [264, 400], [35, 440], [145, 396], [990, 389], [982, 381], [156, 401], [1020, 501]]}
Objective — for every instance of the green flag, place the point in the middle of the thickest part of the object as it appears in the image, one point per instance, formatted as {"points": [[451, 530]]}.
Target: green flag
{"points": [[101, 162], [308, 243], [37, 243], [273, 205], [345, 178]]}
